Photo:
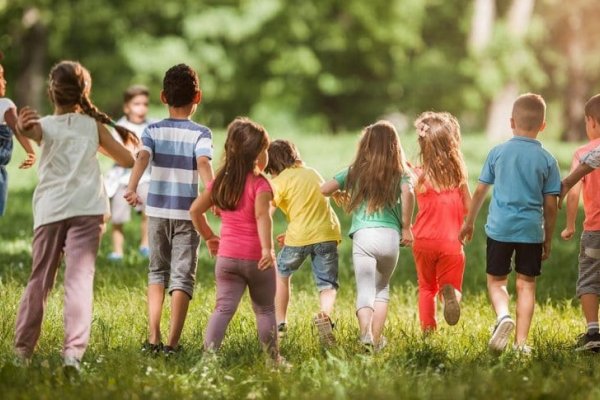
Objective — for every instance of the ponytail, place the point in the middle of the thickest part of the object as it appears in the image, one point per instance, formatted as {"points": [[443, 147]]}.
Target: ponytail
{"points": [[90, 109]]}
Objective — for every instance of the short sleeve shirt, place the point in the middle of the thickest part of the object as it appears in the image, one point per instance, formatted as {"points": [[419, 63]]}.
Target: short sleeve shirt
{"points": [[5, 105], [590, 188], [522, 173]]}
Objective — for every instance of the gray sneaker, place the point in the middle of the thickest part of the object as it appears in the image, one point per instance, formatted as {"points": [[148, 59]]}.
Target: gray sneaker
{"points": [[325, 328], [501, 333]]}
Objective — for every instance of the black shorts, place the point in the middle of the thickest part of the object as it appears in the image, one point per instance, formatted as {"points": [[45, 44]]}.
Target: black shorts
{"points": [[528, 258]]}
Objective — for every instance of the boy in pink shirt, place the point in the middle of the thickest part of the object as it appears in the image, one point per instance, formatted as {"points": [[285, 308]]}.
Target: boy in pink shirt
{"points": [[588, 283]]}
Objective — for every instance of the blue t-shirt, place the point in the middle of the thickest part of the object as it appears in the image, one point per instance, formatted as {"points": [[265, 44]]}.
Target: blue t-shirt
{"points": [[174, 146], [522, 173]]}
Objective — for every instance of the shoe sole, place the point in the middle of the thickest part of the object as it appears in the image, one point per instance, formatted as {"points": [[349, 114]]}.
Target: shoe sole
{"points": [[499, 338], [593, 346], [323, 324], [451, 305]]}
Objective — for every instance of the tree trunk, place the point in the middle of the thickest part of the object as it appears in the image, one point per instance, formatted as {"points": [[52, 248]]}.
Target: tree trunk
{"points": [[482, 24], [576, 84]]}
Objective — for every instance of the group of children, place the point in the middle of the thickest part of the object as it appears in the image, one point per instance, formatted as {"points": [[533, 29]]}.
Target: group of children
{"points": [[379, 188]]}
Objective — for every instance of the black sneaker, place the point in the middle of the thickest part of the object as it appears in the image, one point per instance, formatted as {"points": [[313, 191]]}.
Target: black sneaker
{"points": [[588, 341], [281, 329], [151, 348], [170, 351]]}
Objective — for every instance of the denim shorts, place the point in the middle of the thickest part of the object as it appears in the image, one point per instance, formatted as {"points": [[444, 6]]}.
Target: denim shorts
{"points": [[324, 259]]}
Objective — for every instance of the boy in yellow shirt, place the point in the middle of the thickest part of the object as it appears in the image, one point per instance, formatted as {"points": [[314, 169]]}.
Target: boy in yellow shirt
{"points": [[313, 229]]}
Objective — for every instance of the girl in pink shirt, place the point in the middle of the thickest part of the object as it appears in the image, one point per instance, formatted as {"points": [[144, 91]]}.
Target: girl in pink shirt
{"points": [[245, 256], [443, 199]]}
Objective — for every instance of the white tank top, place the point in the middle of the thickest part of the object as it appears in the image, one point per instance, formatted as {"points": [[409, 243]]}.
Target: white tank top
{"points": [[70, 182]]}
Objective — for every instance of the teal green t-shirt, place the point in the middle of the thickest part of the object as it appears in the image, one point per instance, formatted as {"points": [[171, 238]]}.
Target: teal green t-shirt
{"points": [[387, 217]]}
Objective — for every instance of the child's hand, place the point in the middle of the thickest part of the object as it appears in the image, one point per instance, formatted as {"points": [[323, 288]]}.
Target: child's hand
{"points": [[340, 198], [27, 119], [267, 260], [28, 162], [281, 239], [466, 233], [132, 198], [216, 211], [212, 244], [567, 233], [564, 189], [407, 237], [547, 247]]}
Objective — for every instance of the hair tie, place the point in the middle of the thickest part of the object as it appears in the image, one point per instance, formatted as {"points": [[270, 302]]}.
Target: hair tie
{"points": [[422, 129]]}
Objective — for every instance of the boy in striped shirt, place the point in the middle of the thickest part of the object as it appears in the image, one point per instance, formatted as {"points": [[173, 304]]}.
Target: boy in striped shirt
{"points": [[180, 150]]}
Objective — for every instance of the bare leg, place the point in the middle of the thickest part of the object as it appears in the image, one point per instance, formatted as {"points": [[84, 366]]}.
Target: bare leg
{"points": [[379, 317], [156, 297], [498, 294], [282, 298], [525, 306], [117, 238], [589, 305], [179, 307], [144, 231], [327, 299], [365, 321]]}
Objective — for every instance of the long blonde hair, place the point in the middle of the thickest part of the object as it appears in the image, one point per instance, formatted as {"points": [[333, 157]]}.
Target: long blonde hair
{"points": [[440, 156], [376, 173]]}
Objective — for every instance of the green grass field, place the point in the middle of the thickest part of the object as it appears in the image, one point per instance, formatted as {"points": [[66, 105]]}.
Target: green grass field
{"points": [[453, 363]]}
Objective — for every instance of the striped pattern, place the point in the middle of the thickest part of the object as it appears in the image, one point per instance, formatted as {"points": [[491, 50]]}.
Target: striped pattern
{"points": [[174, 146]]}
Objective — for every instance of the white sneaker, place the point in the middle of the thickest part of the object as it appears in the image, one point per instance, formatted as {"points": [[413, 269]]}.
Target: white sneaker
{"points": [[502, 331], [71, 363], [522, 349], [381, 344]]}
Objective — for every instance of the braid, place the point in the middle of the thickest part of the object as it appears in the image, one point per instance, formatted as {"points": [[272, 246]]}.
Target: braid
{"points": [[90, 109]]}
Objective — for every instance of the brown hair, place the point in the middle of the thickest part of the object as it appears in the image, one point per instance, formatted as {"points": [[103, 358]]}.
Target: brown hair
{"points": [[375, 174], [70, 84], [529, 112], [282, 154], [180, 85], [440, 156], [592, 107], [245, 141], [133, 91]]}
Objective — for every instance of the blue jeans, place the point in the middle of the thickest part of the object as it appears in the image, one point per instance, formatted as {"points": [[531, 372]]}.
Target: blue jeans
{"points": [[324, 259]]}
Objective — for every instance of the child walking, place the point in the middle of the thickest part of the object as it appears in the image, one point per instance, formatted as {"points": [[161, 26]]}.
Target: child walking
{"points": [[135, 108], [588, 283], [180, 150], [443, 199], [520, 220], [313, 229], [381, 201], [245, 256], [8, 122], [69, 204]]}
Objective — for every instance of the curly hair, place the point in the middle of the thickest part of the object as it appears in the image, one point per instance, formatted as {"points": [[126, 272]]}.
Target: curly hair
{"points": [[440, 156], [180, 85]]}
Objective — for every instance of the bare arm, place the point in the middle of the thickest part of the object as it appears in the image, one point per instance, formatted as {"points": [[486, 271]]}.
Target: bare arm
{"points": [[141, 163], [408, 205], [572, 208], [10, 116], [115, 150], [466, 196], [198, 214], [205, 170], [28, 124], [466, 232], [330, 187], [550, 211], [264, 223], [570, 181]]}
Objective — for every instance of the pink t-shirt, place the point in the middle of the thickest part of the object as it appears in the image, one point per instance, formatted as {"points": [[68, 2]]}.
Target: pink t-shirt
{"points": [[590, 189], [239, 233]]}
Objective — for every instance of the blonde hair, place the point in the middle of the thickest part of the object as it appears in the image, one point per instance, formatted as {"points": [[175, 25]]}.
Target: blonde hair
{"points": [[376, 173], [529, 112], [440, 156]]}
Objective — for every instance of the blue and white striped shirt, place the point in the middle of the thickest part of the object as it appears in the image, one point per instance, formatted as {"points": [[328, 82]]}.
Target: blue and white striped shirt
{"points": [[174, 146]]}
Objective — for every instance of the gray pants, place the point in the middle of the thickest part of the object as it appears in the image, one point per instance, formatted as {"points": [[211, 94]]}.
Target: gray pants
{"points": [[588, 281], [374, 254]]}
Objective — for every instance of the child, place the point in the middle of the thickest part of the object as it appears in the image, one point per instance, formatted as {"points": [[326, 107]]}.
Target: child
{"points": [[245, 256], [8, 120], [135, 108], [588, 283], [180, 150], [521, 217], [313, 229], [69, 204], [443, 199], [381, 202]]}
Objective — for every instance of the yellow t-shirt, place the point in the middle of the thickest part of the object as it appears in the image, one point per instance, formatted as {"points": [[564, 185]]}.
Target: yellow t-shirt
{"points": [[310, 217]]}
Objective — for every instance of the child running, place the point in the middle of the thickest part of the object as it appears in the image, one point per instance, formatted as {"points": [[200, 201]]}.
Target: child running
{"points": [[245, 256], [381, 201], [69, 204], [588, 283], [520, 220], [313, 229], [180, 150], [8, 122], [135, 108], [443, 199]]}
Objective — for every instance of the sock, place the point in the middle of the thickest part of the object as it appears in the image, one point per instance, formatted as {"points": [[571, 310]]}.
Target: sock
{"points": [[501, 317], [593, 328]]}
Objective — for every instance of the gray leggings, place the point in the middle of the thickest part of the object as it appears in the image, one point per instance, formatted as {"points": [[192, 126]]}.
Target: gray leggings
{"points": [[374, 254]]}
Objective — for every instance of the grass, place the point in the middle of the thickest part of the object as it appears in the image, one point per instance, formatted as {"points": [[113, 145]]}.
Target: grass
{"points": [[453, 363]]}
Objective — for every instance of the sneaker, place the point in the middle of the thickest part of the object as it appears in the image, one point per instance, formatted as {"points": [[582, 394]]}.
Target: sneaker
{"points": [[115, 257], [451, 305], [381, 344], [170, 351], [144, 251], [587, 341], [281, 329], [522, 349], [278, 363], [325, 328], [152, 349], [502, 331], [71, 365]]}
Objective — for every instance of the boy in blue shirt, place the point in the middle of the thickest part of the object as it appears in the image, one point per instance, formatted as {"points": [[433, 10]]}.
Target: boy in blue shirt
{"points": [[521, 217]]}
